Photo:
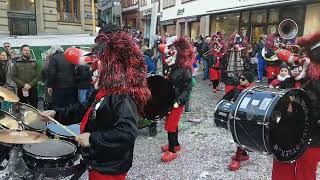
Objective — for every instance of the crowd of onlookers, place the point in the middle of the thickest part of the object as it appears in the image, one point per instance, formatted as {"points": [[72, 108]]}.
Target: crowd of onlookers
{"points": [[65, 83]]}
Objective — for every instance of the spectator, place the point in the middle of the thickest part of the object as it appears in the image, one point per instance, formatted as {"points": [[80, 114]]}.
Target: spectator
{"points": [[10, 52], [7, 67], [83, 79], [148, 54], [61, 80], [25, 75], [3, 59], [205, 48], [261, 60]]}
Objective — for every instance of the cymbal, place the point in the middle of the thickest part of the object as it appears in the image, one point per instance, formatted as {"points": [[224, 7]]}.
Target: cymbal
{"points": [[12, 136], [8, 95]]}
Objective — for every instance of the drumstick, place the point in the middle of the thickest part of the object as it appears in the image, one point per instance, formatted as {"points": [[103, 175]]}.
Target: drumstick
{"points": [[64, 127]]}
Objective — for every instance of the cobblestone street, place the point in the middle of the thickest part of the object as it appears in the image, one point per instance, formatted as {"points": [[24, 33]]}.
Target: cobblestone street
{"points": [[206, 149]]}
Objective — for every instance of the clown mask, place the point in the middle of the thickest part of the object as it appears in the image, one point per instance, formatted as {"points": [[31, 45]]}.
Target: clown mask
{"points": [[171, 56]]}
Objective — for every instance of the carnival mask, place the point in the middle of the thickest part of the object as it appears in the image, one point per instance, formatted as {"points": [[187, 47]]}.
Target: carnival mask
{"points": [[96, 68], [171, 56]]}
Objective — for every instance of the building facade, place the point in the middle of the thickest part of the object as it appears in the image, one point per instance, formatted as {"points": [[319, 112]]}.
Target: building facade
{"points": [[130, 13], [111, 12], [37, 17], [145, 16], [192, 18]]}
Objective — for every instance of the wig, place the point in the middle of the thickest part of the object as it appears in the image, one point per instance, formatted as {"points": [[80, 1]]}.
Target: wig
{"points": [[122, 66]]}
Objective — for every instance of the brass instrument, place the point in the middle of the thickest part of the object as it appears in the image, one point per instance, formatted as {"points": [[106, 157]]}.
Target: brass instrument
{"points": [[288, 29]]}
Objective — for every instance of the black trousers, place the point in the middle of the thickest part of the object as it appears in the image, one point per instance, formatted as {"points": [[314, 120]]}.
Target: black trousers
{"points": [[173, 141], [215, 83], [62, 97], [32, 99]]}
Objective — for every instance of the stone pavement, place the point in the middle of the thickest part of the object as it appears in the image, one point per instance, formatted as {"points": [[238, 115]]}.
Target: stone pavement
{"points": [[206, 149]]}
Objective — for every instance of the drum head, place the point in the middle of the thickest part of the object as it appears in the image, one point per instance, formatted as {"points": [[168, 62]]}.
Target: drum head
{"points": [[50, 149], [265, 122], [289, 129], [162, 97], [28, 115], [7, 121], [56, 129]]}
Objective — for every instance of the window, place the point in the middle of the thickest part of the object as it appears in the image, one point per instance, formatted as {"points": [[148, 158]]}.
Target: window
{"points": [[143, 3], [22, 5], [227, 23], [68, 10], [168, 3], [128, 3], [259, 17]]}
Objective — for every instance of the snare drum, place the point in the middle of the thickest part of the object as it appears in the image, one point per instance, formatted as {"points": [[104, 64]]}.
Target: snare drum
{"points": [[54, 131], [29, 116], [50, 154], [262, 122]]}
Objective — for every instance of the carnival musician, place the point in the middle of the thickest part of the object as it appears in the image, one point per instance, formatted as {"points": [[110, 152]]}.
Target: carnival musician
{"points": [[305, 167], [108, 126]]}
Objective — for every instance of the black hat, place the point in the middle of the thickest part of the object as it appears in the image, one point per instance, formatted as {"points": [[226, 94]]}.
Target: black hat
{"points": [[249, 76], [284, 65]]}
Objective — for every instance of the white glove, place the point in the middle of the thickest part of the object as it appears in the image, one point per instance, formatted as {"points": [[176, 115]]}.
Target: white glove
{"points": [[176, 105]]}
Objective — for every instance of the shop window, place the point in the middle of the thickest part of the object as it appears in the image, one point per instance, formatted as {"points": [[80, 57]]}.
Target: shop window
{"points": [[182, 29], [272, 29], [273, 16], [68, 10], [168, 3], [259, 17], [227, 23], [312, 20], [195, 30], [245, 17], [22, 5], [171, 30]]}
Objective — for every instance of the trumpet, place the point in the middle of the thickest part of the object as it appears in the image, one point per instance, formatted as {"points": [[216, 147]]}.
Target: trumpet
{"points": [[207, 53]]}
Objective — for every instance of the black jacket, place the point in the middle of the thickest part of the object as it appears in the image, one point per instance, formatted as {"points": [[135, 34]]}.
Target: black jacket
{"points": [[182, 83], [312, 88], [61, 73], [113, 131], [83, 77], [3, 73]]}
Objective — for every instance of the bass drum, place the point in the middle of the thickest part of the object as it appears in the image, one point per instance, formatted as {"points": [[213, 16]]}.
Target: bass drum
{"points": [[272, 121], [162, 97], [222, 113]]}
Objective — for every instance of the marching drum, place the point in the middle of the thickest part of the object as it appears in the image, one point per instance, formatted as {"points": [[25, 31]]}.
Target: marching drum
{"points": [[29, 116], [54, 131], [50, 154], [162, 97], [272, 121], [222, 113]]}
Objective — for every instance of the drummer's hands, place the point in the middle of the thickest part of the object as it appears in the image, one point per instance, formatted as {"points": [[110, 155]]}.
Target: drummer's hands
{"points": [[45, 114], [175, 105], [83, 139], [27, 86], [50, 90]]}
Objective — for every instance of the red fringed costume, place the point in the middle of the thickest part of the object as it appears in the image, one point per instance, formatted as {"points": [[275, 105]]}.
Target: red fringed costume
{"points": [[110, 115], [214, 59], [179, 63], [305, 167]]}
